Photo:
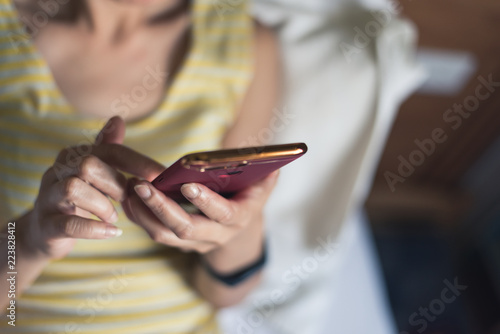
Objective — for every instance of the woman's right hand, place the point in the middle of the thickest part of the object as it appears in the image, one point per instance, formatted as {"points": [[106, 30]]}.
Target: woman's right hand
{"points": [[78, 185]]}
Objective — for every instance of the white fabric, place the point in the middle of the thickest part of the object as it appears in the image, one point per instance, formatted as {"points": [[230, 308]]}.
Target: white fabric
{"points": [[358, 304], [342, 107]]}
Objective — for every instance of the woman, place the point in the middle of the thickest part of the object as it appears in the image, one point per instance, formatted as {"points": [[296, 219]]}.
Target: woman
{"points": [[181, 77]]}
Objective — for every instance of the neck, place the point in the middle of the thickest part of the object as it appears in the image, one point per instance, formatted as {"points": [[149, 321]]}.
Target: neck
{"points": [[115, 20]]}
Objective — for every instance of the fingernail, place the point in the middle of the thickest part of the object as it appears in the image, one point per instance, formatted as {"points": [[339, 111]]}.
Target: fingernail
{"points": [[190, 190], [109, 127], [142, 191], [101, 133], [107, 123], [113, 218], [112, 231]]}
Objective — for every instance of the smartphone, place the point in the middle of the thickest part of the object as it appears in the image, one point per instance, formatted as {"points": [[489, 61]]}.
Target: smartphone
{"points": [[226, 171]]}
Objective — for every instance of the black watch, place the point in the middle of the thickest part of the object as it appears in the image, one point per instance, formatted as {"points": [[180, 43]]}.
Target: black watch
{"points": [[241, 275]]}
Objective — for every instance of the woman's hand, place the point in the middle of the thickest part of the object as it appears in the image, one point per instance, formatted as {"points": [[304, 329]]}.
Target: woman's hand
{"points": [[228, 233], [222, 222], [79, 184]]}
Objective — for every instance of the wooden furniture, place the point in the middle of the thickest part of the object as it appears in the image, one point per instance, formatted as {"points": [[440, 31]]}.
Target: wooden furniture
{"points": [[434, 189]]}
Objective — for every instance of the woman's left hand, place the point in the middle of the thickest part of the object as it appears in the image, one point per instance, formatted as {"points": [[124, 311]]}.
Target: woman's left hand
{"points": [[222, 223]]}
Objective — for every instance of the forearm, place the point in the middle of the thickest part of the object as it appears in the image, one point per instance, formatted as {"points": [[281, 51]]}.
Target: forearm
{"points": [[240, 252], [17, 264]]}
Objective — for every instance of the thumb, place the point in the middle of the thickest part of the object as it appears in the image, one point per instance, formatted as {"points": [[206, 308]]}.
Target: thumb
{"points": [[261, 189], [112, 133]]}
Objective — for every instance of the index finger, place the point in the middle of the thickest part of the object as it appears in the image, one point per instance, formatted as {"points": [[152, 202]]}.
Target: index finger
{"points": [[117, 156], [129, 161]]}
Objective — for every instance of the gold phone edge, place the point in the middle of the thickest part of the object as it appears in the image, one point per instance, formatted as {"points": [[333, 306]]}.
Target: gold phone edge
{"points": [[202, 160]]}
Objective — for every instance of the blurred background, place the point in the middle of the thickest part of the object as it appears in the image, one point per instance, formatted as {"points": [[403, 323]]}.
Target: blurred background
{"points": [[435, 202]]}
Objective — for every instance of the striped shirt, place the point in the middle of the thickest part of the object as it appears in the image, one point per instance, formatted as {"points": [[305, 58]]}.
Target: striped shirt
{"points": [[127, 284]]}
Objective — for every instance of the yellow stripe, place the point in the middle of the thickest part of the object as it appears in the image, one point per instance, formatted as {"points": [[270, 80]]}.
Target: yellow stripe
{"points": [[15, 65], [26, 78], [176, 298], [23, 190], [19, 48], [65, 293], [173, 135], [109, 318], [216, 32], [34, 158], [34, 143], [25, 204], [75, 270], [149, 321], [41, 92], [52, 127], [8, 26], [20, 173], [81, 124]]}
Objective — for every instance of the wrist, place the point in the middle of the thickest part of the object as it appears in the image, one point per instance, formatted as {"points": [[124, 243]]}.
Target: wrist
{"points": [[28, 243], [29, 252], [239, 275], [243, 250]]}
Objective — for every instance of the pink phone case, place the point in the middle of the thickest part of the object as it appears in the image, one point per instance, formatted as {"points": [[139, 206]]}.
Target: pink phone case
{"points": [[232, 178]]}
